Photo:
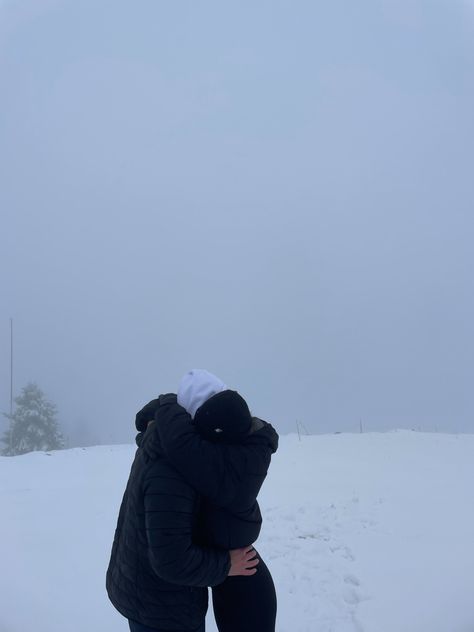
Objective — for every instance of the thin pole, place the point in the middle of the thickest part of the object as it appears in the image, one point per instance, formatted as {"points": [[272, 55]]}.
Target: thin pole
{"points": [[11, 383], [11, 366]]}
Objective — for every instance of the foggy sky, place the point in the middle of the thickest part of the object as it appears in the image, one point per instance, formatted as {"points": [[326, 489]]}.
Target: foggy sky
{"points": [[280, 192]]}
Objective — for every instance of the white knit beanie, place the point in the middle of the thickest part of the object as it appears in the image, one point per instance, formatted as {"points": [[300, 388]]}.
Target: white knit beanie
{"points": [[196, 387]]}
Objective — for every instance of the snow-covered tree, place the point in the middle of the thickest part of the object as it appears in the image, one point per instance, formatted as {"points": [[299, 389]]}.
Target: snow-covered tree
{"points": [[33, 424]]}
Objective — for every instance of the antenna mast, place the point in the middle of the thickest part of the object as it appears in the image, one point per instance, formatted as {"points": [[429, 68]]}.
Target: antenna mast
{"points": [[11, 382]]}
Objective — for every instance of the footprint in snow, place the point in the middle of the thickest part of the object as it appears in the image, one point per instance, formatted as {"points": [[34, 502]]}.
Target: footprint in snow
{"points": [[351, 579], [351, 596]]}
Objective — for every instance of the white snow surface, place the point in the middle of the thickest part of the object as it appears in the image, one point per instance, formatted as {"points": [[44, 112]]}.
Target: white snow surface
{"points": [[362, 533]]}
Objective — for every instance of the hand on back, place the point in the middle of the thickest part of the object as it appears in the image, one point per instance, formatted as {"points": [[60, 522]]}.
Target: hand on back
{"points": [[243, 561]]}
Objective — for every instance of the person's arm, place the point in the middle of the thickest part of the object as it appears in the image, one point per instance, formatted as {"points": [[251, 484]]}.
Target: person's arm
{"points": [[215, 471], [169, 506]]}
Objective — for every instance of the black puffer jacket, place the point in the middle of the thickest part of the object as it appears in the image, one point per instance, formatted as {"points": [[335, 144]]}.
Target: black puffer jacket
{"points": [[228, 476], [156, 570]]}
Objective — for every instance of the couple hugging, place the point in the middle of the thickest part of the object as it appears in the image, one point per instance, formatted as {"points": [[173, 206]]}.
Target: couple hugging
{"points": [[189, 515]]}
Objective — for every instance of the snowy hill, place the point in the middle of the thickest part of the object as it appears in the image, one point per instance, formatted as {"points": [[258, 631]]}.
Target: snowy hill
{"points": [[363, 533]]}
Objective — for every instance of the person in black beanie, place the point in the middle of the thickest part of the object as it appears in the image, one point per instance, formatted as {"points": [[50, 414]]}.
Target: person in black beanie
{"points": [[207, 450]]}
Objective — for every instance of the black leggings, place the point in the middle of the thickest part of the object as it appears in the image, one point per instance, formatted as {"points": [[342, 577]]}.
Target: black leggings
{"points": [[246, 604]]}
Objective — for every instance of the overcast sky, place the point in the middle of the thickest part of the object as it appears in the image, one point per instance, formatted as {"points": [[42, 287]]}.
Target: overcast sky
{"points": [[281, 192]]}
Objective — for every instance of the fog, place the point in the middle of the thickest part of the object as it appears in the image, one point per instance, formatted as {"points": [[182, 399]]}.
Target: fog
{"points": [[279, 192]]}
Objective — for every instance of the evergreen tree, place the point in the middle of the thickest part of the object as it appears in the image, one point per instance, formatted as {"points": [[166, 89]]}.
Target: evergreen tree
{"points": [[33, 424]]}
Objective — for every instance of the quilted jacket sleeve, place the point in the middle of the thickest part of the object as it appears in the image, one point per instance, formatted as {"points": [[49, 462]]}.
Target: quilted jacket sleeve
{"points": [[217, 471], [170, 507]]}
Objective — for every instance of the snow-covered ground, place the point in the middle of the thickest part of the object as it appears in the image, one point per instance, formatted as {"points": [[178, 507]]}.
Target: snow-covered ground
{"points": [[363, 533]]}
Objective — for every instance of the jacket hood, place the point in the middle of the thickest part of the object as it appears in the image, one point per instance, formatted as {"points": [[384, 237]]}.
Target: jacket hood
{"points": [[149, 439], [262, 433]]}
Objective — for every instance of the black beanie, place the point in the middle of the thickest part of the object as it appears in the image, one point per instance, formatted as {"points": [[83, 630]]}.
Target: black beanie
{"points": [[224, 417]]}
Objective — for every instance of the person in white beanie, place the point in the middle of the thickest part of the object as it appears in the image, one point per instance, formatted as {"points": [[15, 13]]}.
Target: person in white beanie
{"points": [[224, 453]]}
